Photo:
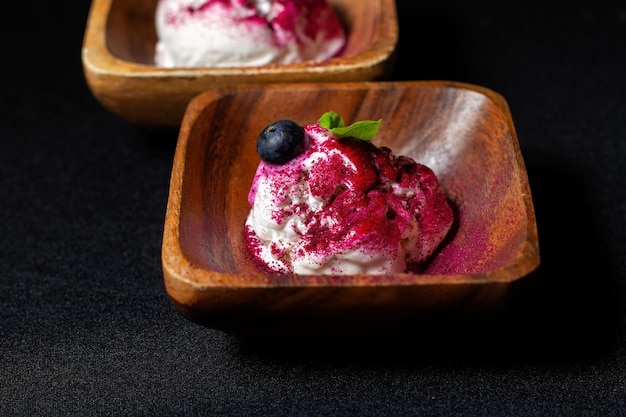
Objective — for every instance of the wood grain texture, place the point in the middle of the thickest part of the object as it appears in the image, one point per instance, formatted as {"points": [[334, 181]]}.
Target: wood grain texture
{"points": [[464, 133], [119, 42]]}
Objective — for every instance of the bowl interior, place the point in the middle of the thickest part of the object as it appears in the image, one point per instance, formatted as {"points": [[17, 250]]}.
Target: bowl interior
{"points": [[464, 134], [131, 36]]}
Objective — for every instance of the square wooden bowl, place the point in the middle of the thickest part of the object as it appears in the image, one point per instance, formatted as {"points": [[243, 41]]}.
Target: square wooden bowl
{"points": [[120, 38], [464, 133]]}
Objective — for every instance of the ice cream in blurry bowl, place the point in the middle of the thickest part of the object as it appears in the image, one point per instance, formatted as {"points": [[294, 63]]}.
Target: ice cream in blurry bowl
{"points": [[145, 60]]}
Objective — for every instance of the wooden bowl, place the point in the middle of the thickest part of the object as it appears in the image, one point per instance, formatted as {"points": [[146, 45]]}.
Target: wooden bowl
{"points": [[118, 64], [464, 133]]}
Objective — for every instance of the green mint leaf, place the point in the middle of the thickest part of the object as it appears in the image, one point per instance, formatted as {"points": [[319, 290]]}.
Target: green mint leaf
{"points": [[363, 130], [331, 120]]}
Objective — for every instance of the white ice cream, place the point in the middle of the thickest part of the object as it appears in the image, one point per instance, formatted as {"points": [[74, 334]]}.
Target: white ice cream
{"points": [[345, 207], [227, 33]]}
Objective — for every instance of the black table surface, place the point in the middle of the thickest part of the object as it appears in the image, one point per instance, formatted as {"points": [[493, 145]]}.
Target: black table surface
{"points": [[86, 327]]}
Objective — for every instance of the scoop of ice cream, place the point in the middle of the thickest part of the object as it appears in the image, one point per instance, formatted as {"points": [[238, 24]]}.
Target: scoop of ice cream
{"points": [[345, 206], [225, 33]]}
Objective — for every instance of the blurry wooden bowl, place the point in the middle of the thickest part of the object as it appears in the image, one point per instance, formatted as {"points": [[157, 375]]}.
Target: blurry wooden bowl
{"points": [[118, 64], [464, 133]]}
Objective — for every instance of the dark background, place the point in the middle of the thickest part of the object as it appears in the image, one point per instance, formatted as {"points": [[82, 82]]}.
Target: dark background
{"points": [[86, 327]]}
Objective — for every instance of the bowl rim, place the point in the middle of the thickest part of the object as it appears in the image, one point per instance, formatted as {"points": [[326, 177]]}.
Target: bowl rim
{"points": [[98, 59], [179, 271]]}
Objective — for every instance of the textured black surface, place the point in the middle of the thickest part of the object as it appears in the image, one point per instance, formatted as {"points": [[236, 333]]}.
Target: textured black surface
{"points": [[87, 329]]}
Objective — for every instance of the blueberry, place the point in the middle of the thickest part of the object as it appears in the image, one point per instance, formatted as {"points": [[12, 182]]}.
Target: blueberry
{"points": [[280, 142]]}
